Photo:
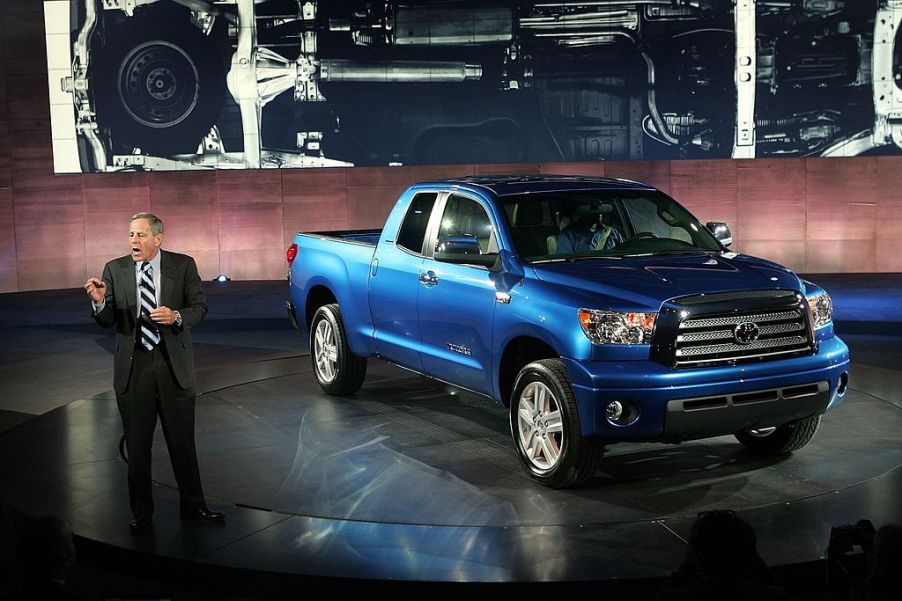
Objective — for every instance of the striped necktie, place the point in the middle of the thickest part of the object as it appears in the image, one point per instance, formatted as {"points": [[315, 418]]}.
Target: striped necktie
{"points": [[150, 334]]}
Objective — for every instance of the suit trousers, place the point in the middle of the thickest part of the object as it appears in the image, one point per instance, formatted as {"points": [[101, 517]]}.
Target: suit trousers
{"points": [[152, 390]]}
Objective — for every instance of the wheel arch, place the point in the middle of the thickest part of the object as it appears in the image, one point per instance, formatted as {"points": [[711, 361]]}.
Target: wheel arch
{"points": [[318, 296], [519, 352]]}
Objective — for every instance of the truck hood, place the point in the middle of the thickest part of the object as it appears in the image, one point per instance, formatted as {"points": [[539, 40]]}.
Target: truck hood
{"points": [[644, 282]]}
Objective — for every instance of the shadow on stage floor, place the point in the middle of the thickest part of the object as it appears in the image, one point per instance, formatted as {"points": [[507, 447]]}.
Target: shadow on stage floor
{"points": [[411, 480]]}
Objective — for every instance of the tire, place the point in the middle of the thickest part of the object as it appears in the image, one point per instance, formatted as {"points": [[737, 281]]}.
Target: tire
{"points": [[545, 427], [338, 371], [160, 84], [782, 439]]}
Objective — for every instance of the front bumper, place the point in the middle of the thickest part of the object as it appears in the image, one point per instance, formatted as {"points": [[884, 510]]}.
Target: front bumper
{"points": [[683, 404]]}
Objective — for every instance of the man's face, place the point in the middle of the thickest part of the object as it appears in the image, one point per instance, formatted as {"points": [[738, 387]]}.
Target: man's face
{"points": [[144, 244]]}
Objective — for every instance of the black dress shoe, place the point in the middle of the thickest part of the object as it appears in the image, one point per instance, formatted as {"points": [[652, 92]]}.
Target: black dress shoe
{"points": [[140, 524], [203, 515]]}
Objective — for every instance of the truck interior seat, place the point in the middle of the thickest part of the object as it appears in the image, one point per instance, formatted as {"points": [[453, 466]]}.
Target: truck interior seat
{"points": [[478, 224], [532, 227]]}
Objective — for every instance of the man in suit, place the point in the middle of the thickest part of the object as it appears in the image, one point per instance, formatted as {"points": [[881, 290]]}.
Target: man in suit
{"points": [[153, 298]]}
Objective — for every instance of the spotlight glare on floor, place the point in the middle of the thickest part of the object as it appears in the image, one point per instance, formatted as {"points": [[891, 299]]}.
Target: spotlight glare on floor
{"points": [[222, 278]]}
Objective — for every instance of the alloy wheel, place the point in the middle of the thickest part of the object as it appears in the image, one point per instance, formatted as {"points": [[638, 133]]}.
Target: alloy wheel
{"points": [[325, 351], [540, 426]]}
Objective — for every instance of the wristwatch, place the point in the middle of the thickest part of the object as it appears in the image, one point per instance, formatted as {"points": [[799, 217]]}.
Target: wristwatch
{"points": [[178, 319]]}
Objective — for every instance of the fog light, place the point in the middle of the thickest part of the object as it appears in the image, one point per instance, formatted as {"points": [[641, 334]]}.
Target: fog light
{"points": [[843, 385], [621, 413]]}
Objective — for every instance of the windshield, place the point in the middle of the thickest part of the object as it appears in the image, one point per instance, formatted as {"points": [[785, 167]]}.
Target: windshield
{"points": [[602, 223]]}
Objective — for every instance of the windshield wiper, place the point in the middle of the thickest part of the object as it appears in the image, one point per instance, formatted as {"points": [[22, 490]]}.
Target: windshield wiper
{"points": [[658, 253], [681, 251], [570, 258], [685, 251]]}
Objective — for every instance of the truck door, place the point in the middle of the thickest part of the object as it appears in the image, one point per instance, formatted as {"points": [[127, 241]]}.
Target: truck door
{"points": [[456, 303], [394, 284]]}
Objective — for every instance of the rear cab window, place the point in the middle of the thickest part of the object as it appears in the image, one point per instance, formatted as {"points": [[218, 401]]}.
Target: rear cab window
{"points": [[412, 234]]}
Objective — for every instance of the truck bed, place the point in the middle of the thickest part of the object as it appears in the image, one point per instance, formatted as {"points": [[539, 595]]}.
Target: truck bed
{"points": [[368, 237], [343, 270]]}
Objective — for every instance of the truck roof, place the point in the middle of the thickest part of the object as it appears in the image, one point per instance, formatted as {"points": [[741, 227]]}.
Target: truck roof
{"points": [[505, 185]]}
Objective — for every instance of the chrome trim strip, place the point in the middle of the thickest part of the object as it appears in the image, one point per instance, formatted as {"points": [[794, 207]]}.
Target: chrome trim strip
{"points": [[806, 348]]}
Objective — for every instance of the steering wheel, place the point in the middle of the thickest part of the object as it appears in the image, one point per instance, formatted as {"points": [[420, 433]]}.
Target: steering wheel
{"points": [[641, 236]]}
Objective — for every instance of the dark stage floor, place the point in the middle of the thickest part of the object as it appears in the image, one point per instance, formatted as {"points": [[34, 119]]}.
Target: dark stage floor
{"points": [[411, 480]]}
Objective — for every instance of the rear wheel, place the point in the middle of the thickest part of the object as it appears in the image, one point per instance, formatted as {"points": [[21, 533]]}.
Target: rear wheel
{"points": [[545, 427], [338, 371], [781, 439]]}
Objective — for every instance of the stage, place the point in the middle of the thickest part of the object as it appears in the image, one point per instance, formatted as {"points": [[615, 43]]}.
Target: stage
{"points": [[411, 480]]}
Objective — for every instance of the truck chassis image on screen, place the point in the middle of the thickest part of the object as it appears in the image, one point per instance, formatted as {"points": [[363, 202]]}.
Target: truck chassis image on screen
{"points": [[200, 84]]}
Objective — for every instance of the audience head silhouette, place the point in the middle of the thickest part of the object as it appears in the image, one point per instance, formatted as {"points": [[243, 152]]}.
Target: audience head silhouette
{"points": [[722, 562], [46, 550], [724, 546], [885, 578]]}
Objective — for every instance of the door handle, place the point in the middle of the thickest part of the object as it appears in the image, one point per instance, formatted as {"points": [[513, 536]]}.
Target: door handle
{"points": [[429, 278]]}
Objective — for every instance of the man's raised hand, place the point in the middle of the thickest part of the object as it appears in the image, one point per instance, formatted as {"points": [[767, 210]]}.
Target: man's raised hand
{"points": [[96, 290]]}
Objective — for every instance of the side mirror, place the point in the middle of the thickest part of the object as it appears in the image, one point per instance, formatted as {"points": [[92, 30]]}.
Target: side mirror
{"points": [[463, 250], [721, 231]]}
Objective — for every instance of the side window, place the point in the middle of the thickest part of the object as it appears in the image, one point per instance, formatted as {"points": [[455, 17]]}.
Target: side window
{"points": [[465, 217], [413, 228]]}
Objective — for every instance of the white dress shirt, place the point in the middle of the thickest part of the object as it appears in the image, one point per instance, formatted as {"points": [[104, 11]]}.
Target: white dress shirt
{"points": [[155, 264]]}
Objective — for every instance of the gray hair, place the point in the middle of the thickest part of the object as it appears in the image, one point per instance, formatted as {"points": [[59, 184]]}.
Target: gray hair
{"points": [[156, 224]]}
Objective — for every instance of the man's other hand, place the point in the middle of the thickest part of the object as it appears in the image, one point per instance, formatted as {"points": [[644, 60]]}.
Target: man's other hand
{"points": [[163, 316]]}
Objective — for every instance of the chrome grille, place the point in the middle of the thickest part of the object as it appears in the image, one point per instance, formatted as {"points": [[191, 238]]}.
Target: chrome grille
{"points": [[737, 319], [712, 339], [707, 335]]}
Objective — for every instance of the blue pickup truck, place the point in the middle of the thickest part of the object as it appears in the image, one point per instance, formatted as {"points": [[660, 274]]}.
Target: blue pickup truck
{"points": [[598, 310]]}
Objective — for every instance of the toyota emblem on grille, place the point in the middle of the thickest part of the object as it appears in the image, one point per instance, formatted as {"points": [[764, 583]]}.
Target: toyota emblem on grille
{"points": [[746, 332]]}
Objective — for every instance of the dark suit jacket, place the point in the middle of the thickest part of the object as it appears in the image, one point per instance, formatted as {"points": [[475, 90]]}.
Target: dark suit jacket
{"points": [[180, 290]]}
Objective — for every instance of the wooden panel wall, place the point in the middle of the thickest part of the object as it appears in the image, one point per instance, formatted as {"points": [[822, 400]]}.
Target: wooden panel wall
{"points": [[770, 212], [888, 209], [841, 215], [814, 215], [9, 280]]}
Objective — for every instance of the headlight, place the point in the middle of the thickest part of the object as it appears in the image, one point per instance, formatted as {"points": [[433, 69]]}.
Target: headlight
{"points": [[821, 309], [611, 327]]}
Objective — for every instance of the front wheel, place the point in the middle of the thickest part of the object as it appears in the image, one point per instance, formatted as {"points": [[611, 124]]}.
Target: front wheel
{"points": [[338, 370], [545, 427], [781, 439]]}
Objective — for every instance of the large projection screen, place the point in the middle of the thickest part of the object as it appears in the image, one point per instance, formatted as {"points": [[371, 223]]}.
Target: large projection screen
{"points": [[202, 84]]}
